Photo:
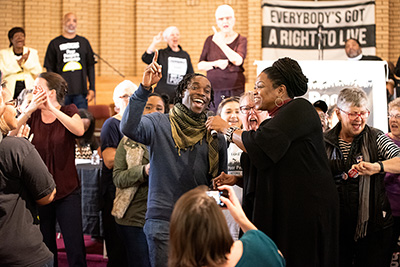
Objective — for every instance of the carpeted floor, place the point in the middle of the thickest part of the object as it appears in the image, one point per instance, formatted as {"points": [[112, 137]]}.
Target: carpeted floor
{"points": [[94, 252]]}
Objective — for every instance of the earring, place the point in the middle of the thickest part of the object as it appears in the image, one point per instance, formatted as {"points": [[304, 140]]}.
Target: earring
{"points": [[281, 102]]}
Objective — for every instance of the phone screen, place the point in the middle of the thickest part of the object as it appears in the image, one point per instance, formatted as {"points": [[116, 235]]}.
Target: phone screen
{"points": [[216, 194]]}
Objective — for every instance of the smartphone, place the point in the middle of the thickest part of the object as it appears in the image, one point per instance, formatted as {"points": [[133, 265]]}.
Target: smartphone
{"points": [[216, 194]]}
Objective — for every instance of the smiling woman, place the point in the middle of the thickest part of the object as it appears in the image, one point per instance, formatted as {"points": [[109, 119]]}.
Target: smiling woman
{"points": [[19, 64], [363, 219], [174, 60], [229, 111], [286, 172]]}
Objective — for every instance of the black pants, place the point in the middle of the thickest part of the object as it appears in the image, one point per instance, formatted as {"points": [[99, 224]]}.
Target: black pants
{"points": [[67, 212], [374, 250], [19, 86], [115, 249]]}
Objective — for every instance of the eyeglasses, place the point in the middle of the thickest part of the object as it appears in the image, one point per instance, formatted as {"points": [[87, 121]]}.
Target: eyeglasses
{"points": [[395, 117], [12, 102], [246, 109], [353, 116]]}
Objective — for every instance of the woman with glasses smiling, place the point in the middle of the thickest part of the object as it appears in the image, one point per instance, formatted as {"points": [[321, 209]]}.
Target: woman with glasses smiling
{"points": [[392, 180], [365, 215], [392, 168]]}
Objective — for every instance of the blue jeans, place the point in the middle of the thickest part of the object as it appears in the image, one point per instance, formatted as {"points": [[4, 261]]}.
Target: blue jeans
{"points": [[135, 244], [157, 235], [79, 100], [67, 211]]}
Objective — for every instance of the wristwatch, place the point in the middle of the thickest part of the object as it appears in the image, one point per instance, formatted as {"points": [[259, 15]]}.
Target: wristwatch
{"points": [[382, 170], [229, 133]]}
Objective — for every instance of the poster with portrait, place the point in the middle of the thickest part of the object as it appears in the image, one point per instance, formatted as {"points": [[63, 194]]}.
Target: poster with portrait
{"points": [[307, 30], [327, 77]]}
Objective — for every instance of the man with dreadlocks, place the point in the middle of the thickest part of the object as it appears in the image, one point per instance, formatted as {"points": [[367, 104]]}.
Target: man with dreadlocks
{"points": [[183, 153]]}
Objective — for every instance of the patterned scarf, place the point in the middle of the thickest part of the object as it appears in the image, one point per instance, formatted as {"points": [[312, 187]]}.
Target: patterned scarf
{"points": [[188, 128]]}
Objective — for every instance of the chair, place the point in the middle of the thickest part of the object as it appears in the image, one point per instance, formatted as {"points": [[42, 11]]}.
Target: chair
{"points": [[100, 114]]}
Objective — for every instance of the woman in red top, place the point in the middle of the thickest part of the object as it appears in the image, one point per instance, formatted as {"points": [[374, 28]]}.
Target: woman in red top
{"points": [[55, 128]]}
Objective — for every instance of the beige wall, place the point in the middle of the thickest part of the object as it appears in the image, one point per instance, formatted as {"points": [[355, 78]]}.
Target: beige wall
{"points": [[121, 30]]}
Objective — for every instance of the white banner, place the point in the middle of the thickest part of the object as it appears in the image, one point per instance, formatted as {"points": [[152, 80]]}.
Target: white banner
{"points": [[316, 30], [327, 78]]}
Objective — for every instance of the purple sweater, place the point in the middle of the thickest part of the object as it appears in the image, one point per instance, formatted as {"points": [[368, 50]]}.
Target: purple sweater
{"points": [[392, 185]]}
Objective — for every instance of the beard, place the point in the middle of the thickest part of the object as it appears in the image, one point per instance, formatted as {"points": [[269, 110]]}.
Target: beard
{"points": [[70, 30]]}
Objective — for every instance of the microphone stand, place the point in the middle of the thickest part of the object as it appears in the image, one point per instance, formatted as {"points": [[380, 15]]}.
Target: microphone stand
{"points": [[105, 61], [320, 44]]}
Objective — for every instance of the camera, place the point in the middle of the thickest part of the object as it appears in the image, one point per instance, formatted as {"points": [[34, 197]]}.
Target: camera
{"points": [[216, 194]]}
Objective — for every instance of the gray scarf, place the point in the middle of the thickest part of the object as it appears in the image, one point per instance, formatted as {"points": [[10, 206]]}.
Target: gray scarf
{"points": [[363, 199]]}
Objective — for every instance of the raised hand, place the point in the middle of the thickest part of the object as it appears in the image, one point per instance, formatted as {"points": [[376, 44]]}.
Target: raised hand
{"points": [[39, 98], [218, 37], [152, 74], [158, 38]]}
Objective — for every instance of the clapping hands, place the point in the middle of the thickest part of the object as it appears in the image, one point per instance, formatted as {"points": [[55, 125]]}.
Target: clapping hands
{"points": [[39, 98], [23, 58]]}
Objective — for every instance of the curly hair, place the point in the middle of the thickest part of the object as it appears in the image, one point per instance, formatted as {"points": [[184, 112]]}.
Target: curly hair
{"points": [[183, 85], [288, 72]]}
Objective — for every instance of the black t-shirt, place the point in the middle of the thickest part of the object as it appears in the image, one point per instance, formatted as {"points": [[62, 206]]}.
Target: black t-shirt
{"points": [[23, 179], [175, 65], [74, 60]]}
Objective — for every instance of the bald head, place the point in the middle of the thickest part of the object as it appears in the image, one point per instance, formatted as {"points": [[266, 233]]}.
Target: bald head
{"points": [[70, 23]]}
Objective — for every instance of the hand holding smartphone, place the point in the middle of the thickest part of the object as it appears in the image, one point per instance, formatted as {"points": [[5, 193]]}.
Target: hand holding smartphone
{"points": [[216, 194]]}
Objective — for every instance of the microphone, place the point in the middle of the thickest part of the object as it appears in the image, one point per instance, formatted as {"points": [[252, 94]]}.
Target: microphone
{"points": [[211, 113], [319, 29]]}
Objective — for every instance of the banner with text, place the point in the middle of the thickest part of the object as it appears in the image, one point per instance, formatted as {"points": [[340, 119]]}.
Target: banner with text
{"points": [[316, 30]]}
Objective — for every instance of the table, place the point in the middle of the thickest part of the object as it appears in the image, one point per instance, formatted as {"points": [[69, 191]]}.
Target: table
{"points": [[90, 176]]}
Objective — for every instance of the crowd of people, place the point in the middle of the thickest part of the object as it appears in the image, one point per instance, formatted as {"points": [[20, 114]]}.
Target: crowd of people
{"points": [[298, 188]]}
